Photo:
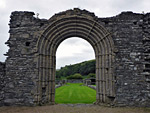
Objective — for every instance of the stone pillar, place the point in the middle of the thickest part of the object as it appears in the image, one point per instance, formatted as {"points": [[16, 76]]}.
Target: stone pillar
{"points": [[88, 82]]}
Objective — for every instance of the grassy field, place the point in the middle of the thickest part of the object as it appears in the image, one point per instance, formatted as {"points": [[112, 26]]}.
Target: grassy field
{"points": [[75, 93], [70, 94]]}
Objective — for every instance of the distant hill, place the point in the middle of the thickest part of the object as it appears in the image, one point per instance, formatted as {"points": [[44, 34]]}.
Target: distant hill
{"points": [[84, 68]]}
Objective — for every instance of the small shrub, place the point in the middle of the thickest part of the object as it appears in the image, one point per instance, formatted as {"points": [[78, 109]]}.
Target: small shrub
{"points": [[91, 75], [75, 76]]}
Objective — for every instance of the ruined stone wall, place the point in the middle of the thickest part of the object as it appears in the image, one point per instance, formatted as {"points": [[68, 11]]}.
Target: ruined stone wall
{"points": [[21, 63], [131, 35], [2, 82], [129, 31], [146, 55]]}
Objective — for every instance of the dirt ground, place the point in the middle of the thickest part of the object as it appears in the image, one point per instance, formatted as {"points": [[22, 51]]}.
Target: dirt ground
{"points": [[73, 109]]}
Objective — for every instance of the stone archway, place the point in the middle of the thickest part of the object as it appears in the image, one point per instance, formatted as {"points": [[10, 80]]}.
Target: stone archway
{"points": [[75, 23]]}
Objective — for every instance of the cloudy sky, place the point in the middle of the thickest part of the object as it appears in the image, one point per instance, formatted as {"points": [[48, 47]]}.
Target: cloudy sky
{"points": [[71, 50]]}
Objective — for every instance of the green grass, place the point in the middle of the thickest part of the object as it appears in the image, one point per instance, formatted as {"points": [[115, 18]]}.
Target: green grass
{"points": [[75, 93]]}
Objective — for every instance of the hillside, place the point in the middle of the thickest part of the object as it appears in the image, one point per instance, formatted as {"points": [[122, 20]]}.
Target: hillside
{"points": [[84, 68]]}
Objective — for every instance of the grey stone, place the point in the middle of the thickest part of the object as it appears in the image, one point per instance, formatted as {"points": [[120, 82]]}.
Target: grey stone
{"points": [[123, 72]]}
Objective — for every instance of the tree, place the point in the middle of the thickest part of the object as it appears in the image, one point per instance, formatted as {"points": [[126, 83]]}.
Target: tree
{"points": [[75, 76], [91, 75]]}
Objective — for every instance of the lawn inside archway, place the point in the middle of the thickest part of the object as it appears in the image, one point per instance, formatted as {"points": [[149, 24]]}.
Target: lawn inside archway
{"points": [[73, 93]]}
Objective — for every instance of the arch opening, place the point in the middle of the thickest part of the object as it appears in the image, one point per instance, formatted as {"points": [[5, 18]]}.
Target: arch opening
{"points": [[73, 50], [86, 27], [69, 56]]}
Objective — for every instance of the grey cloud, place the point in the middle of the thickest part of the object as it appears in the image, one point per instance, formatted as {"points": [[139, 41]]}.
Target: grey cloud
{"points": [[86, 53], [3, 47], [136, 6], [76, 41], [89, 51]]}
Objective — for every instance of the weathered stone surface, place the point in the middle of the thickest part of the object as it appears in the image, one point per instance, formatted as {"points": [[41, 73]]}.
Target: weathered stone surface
{"points": [[93, 87], [75, 81], [129, 34], [2, 82], [22, 83]]}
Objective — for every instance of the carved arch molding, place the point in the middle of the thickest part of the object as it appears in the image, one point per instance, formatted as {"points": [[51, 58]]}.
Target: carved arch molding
{"points": [[75, 24]]}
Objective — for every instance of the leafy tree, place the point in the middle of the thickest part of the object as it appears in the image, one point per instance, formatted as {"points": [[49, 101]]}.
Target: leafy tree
{"points": [[75, 76], [92, 75]]}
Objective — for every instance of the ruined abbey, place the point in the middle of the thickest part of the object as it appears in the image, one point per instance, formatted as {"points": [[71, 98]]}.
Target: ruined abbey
{"points": [[122, 51]]}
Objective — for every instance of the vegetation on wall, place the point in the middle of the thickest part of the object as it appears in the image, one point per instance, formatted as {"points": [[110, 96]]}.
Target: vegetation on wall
{"points": [[83, 68]]}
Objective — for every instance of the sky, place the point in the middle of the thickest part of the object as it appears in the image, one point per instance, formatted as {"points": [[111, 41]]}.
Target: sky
{"points": [[72, 50]]}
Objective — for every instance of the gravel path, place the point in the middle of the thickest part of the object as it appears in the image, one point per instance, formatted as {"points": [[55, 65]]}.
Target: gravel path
{"points": [[71, 108]]}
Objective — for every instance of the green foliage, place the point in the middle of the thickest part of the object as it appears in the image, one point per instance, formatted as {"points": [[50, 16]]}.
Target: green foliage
{"points": [[91, 75], [75, 93], [75, 76], [83, 68]]}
